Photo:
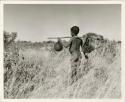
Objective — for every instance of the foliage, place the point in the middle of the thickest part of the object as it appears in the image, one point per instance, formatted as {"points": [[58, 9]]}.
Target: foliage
{"points": [[35, 70]]}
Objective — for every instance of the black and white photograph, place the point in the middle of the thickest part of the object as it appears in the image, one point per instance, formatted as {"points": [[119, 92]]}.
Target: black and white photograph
{"points": [[62, 51]]}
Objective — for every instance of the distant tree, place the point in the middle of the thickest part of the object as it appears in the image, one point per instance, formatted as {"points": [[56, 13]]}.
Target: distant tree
{"points": [[9, 43], [119, 42], [14, 35], [9, 37]]}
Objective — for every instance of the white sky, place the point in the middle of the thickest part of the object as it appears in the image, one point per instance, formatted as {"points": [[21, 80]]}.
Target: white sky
{"points": [[36, 22]]}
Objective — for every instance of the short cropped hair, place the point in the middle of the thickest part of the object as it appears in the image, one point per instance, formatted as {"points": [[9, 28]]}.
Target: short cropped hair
{"points": [[75, 29]]}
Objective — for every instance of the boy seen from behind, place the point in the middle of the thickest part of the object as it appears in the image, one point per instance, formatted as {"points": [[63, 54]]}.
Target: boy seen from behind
{"points": [[74, 48]]}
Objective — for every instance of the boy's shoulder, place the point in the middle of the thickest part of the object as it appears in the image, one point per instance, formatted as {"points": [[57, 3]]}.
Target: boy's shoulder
{"points": [[75, 38]]}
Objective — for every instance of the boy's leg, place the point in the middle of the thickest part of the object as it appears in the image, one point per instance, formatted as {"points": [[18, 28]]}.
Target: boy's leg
{"points": [[74, 70]]}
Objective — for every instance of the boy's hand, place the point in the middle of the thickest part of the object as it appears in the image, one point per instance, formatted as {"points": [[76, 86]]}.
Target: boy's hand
{"points": [[59, 40]]}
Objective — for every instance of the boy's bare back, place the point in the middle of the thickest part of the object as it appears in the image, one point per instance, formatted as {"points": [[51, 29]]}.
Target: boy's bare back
{"points": [[75, 44]]}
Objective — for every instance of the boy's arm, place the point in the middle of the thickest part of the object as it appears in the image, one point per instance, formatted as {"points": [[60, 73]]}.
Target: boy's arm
{"points": [[82, 47], [67, 44]]}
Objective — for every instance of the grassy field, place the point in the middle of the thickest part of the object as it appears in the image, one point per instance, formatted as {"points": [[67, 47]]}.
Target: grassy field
{"points": [[44, 73]]}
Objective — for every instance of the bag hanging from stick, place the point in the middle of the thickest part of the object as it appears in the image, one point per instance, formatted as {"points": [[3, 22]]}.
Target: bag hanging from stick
{"points": [[58, 46]]}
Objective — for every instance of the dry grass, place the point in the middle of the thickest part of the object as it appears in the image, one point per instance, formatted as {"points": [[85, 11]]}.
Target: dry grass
{"points": [[45, 74], [100, 76]]}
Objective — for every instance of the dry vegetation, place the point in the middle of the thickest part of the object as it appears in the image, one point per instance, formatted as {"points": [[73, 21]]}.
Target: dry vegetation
{"points": [[37, 71]]}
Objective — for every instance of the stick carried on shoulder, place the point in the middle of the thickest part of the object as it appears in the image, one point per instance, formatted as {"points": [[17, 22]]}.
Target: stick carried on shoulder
{"points": [[58, 37], [61, 37]]}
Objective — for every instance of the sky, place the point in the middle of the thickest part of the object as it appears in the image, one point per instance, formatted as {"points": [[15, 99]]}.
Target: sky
{"points": [[36, 22]]}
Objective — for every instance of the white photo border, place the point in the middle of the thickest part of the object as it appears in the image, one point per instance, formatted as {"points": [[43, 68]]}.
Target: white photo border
{"points": [[122, 99]]}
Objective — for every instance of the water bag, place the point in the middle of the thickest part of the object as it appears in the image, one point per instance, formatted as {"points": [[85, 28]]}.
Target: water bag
{"points": [[58, 46]]}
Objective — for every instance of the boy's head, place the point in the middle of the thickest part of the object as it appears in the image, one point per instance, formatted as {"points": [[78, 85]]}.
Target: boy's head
{"points": [[74, 30]]}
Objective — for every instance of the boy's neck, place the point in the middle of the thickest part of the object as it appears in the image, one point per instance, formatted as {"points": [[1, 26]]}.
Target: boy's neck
{"points": [[74, 36]]}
